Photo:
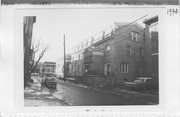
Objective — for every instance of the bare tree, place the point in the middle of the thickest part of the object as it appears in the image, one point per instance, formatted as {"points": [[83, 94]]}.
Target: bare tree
{"points": [[36, 49]]}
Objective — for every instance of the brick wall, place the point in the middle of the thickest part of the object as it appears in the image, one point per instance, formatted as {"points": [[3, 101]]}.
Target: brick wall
{"points": [[122, 41]]}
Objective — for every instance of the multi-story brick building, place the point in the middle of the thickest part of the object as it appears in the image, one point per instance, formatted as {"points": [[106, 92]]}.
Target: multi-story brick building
{"points": [[28, 53], [119, 55], [122, 55], [49, 68]]}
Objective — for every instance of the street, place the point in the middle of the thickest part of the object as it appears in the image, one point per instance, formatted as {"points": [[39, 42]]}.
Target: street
{"points": [[68, 93], [81, 95]]}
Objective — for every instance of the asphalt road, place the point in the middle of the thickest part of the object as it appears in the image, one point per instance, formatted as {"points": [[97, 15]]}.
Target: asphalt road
{"points": [[81, 96]]}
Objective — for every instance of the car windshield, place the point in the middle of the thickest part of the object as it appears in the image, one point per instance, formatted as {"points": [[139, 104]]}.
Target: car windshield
{"points": [[143, 79]]}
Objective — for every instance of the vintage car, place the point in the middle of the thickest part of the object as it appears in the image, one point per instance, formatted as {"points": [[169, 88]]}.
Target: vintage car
{"points": [[50, 82], [142, 83]]}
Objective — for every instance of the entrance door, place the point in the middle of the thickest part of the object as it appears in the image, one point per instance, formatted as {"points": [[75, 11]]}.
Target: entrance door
{"points": [[108, 70]]}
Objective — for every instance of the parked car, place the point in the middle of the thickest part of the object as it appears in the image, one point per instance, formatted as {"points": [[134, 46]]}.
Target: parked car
{"points": [[50, 82], [142, 83]]}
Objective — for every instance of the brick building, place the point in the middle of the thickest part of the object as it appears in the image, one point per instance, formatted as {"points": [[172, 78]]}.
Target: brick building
{"points": [[28, 53], [49, 68], [121, 55], [118, 57]]}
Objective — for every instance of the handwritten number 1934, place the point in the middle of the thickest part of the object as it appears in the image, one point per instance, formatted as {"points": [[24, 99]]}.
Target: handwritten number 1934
{"points": [[172, 11]]}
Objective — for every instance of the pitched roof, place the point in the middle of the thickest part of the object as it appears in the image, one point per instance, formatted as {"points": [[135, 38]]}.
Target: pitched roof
{"points": [[121, 24]]}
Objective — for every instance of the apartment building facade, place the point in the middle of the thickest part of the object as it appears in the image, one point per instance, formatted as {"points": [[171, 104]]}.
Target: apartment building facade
{"points": [[122, 55]]}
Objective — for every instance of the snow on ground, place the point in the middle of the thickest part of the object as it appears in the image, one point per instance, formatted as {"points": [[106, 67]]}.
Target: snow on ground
{"points": [[35, 96]]}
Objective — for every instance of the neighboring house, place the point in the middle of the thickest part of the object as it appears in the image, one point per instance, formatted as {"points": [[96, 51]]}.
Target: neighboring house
{"points": [[152, 32], [27, 36], [93, 60], [76, 67], [49, 67]]}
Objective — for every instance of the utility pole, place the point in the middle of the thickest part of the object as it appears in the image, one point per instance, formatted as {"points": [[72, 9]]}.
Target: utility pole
{"points": [[64, 60]]}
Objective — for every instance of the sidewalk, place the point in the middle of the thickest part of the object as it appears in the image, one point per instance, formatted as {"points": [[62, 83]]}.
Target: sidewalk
{"points": [[35, 96]]}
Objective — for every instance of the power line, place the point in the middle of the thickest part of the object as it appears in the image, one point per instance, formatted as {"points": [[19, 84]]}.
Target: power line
{"points": [[114, 31], [121, 40], [95, 40]]}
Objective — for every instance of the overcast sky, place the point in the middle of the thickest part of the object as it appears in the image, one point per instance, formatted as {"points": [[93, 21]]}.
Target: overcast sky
{"points": [[79, 25]]}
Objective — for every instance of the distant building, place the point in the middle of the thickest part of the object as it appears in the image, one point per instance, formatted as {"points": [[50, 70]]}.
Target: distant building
{"points": [[76, 67], [60, 65], [49, 67], [67, 65]]}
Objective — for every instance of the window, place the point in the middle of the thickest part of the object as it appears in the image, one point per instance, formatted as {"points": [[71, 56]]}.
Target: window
{"points": [[108, 47], [107, 69], [107, 52], [124, 67], [134, 36], [90, 59], [79, 56], [141, 52], [129, 50]]}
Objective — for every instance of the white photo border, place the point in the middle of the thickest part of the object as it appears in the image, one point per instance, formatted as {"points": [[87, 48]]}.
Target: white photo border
{"points": [[167, 102]]}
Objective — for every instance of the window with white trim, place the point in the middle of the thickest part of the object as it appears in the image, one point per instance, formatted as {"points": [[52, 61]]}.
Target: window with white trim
{"points": [[124, 68], [134, 36], [107, 47]]}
